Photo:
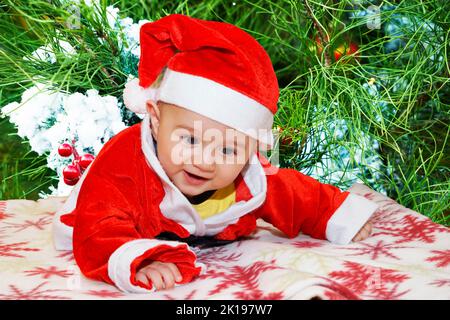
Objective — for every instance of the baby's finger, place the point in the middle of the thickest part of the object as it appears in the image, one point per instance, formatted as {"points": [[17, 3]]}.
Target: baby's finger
{"points": [[369, 229], [364, 234], [167, 275], [155, 276], [140, 276], [357, 237], [365, 231], [176, 273]]}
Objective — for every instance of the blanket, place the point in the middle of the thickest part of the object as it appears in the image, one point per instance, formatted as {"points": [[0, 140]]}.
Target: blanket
{"points": [[406, 257]]}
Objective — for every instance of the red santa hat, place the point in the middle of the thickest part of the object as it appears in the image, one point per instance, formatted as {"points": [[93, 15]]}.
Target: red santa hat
{"points": [[212, 68]]}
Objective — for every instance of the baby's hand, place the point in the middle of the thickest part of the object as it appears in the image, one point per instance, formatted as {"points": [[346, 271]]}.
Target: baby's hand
{"points": [[364, 232], [162, 275]]}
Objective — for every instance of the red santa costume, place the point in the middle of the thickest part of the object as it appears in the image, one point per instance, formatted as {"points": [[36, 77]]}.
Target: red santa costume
{"points": [[124, 199]]}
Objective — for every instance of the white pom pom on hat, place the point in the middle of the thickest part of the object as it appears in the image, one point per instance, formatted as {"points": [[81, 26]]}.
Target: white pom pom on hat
{"points": [[135, 97]]}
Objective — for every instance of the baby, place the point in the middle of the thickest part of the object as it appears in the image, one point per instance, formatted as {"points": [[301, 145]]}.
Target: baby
{"points": [[190, 175]]}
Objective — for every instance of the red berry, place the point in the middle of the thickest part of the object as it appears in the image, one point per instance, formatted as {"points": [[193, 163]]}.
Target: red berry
{"points": [[71, 172], [86, 160], [352, 48], [65, 150], [70, 182]]}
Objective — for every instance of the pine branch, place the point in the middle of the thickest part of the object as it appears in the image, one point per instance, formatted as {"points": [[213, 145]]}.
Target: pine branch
{"points": [[320, 30]]}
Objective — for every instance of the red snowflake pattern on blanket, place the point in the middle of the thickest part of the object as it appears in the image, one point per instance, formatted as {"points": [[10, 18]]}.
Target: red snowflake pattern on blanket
{"points": [[258, 294], [217, 256], [105, 293], [49, 272], [2, 209], [67, 255], [385, 216], [375, 250], [441, 283], [376, 283], [369, 196], [413, 228], [443, 258], [39, 224], [245, 278], [11, 249], [307, 244], [337, 291], [36, 293], [3, 214]]}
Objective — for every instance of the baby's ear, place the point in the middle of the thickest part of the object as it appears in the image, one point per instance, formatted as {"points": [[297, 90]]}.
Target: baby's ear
{"points": [[154, 113], [150, 105]]}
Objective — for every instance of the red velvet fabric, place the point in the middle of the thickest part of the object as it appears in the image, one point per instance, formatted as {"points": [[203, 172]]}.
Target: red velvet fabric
{"points": [[218, 51], [182, 257], [299, 203]]}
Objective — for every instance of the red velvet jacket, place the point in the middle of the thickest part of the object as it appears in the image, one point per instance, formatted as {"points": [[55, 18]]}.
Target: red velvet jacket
{"points": [[124, 200]]}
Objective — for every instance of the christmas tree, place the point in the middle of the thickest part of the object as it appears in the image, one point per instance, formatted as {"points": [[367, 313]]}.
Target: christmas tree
{"points": [[364, 89]]}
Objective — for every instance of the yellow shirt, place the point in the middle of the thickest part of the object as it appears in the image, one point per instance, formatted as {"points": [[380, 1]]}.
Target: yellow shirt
{"points": [[218, 202]]}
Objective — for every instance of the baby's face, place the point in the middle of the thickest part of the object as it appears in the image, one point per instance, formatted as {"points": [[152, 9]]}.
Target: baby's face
{"points": [[198, 154]]}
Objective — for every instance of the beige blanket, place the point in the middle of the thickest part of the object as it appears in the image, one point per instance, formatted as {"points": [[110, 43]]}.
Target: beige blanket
{"points": [[407, 257]]}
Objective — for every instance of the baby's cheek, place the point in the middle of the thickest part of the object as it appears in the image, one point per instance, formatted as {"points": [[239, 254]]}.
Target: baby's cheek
{"points": [[169, 166], [226, 174], [171, 153], [181, 154]]}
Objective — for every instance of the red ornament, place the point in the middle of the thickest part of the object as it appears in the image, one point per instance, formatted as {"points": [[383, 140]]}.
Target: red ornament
{"points": [[345, 49], [86, 160], [70, 182], [65, 150], [71, 172]]}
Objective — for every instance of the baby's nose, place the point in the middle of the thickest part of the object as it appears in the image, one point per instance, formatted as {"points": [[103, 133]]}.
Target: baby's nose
{"points": [[206, 162], [205, 167]]}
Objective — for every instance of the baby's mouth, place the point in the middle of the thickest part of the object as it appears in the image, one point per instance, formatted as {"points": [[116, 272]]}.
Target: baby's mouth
{"points": [[193, 178]]}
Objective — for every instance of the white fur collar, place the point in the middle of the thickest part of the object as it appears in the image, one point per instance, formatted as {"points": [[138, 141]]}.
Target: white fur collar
{"points": [[177, 207]]}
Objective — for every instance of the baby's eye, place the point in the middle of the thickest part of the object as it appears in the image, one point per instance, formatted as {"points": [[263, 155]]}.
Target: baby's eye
{"points": [[190, 139], [228, 151]]}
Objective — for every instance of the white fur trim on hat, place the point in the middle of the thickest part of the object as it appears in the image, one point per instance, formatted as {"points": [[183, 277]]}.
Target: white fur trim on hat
{"points": [[217, 102], [208, 98], [135, 97]]}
